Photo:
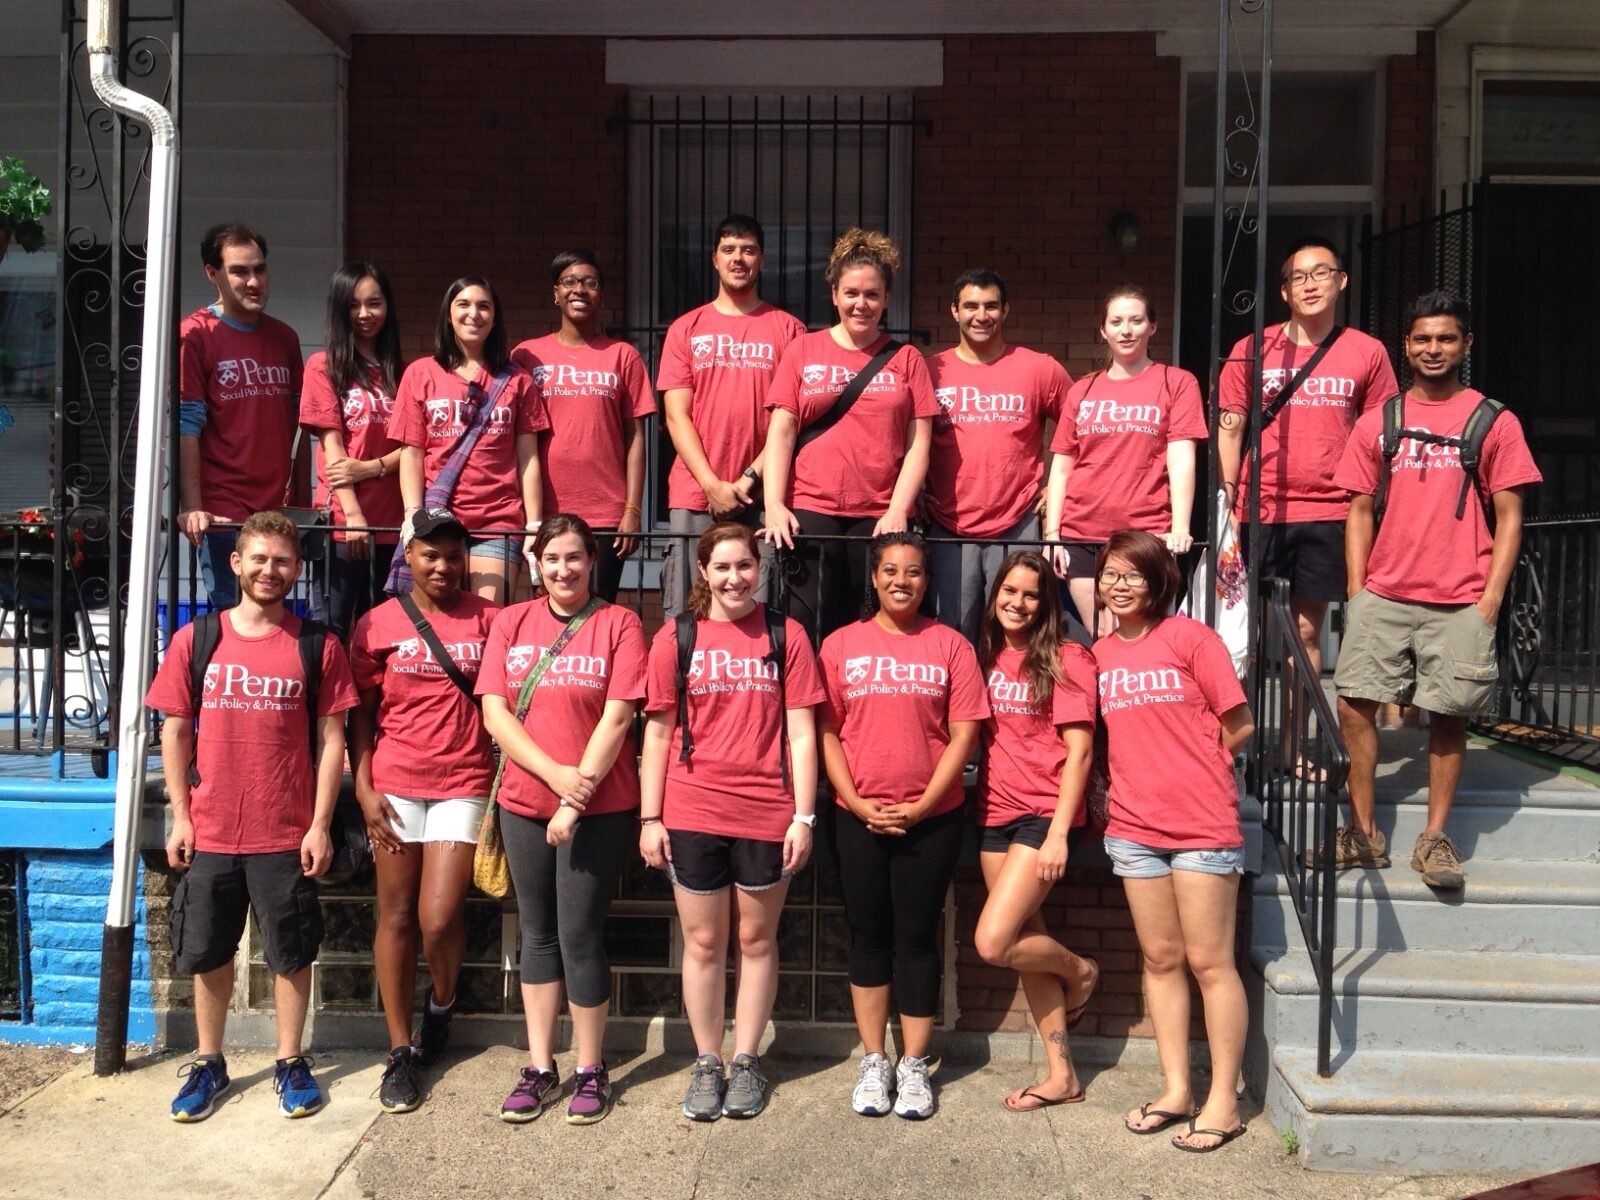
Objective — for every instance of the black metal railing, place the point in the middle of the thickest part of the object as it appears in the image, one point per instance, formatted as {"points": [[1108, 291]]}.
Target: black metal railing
{"points": [[1299, 766], [13, 960], [1549, 642]]}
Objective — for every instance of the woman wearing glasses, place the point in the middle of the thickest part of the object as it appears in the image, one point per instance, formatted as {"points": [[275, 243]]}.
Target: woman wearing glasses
{"points": [[597, 394], [1174, 835], [1124, 451]]}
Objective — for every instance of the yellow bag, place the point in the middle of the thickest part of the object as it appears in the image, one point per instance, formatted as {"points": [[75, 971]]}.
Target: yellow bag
{"points": [[490, 872]]}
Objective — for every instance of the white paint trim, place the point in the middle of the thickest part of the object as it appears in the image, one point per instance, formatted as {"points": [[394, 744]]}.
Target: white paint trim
{"points": [[1522, 62], [1328, 49], [775, 64]]}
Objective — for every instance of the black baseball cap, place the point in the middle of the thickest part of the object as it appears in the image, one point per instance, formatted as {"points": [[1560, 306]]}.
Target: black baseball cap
{"points": [[430, 523]]}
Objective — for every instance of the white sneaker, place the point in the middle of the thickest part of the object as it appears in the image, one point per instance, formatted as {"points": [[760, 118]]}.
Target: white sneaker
{"points": [[874, 1085], [913, 1093]]}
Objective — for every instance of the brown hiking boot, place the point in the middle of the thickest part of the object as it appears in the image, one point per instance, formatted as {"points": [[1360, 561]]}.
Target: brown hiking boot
{"points": [[1352, 848], [1436, 857]]}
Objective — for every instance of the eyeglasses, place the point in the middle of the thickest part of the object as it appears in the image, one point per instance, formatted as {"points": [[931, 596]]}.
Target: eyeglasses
{"points": [[1111, 578], [571, 283], [1320, 273]]}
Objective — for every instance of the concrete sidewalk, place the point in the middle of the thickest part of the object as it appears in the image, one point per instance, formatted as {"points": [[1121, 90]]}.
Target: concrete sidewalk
{"points": [[79, 1136]]}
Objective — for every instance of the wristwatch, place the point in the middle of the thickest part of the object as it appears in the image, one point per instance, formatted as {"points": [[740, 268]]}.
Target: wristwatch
{"points": [[809, 820], [750, 474]]}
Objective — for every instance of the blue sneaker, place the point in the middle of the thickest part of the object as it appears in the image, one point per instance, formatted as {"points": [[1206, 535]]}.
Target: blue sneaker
{"points": [[203, 1082], [298, 1093]]}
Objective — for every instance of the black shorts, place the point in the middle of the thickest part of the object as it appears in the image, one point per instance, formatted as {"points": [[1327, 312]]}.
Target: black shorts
{"points": [[1027, 831], [219, 890], [1309, 554], [1081, 558], [705, 863]]}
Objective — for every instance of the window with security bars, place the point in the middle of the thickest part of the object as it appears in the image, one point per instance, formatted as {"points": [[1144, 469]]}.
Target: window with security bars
{"points": [[807, 167]]}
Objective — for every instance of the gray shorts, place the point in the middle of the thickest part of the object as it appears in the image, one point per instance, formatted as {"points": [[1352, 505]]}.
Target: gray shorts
{"points": [[963, 576], [1440, 657], [678, 568]]}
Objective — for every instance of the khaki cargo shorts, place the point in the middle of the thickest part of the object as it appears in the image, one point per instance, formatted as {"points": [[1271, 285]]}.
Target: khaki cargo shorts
{"points": [[1439, 657]]}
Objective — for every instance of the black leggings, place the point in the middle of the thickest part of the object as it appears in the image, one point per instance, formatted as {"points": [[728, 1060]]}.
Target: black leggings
{"points": [[894, 889], [828, 581], [563, 893]]}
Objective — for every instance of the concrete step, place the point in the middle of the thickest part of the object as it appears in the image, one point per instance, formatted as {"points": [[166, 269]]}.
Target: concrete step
{"points": [[1436, 1002], [1412, 1113], [1509, 905], [1558, 824]]}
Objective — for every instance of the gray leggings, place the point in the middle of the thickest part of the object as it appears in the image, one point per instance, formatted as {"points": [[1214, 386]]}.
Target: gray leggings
{"points": [[563, 893]]}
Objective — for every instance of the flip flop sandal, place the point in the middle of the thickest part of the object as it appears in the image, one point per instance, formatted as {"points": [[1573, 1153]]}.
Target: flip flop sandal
{"points": [[1167, 1118], [1074, 1015], [1226, 1135], [1044, 1101]]}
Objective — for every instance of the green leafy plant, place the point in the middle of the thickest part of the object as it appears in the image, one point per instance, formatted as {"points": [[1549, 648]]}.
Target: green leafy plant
{"points": [[1291, 1143], [24, 204]]}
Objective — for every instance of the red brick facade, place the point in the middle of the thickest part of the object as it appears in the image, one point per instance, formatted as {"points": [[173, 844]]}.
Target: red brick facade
{"points": [[1408, 144]]}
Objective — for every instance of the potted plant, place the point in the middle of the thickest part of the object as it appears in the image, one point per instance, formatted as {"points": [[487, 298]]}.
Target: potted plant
{"points": [[24, 204]]}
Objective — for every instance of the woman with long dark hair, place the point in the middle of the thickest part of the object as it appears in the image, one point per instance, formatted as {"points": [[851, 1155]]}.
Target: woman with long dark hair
{"points": [[1038, 744], [1173, 835], [469, 420], [905, 699], [852, 473], [1124, 451], [345, 403], [423, 766], [562, 677], [729, 778]]}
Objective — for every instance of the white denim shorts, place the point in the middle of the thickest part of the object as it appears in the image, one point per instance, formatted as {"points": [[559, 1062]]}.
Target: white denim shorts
{"points": [[438, 820]]}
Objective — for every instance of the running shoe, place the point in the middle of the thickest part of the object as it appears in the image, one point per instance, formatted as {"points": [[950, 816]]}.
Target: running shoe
{"points": [[913, 1094], [203, 1082], [703, 1100], [747, 1087], [591, 1096], [298, 1093], [433, 1035], [874, 1091], [400, 1092], [536, 1091]]}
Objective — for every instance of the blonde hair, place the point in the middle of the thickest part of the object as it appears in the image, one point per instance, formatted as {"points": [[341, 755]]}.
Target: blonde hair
{"points": [[863, 248]]}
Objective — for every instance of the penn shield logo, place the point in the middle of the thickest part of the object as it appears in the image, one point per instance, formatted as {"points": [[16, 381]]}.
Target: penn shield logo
{"points": [[228, 372], [813, 373], [519, 659], [355, 403], [213, 676], [946, 396], [697, 668], [703, 344], [541, 375], [856, 670], [408, 649]]}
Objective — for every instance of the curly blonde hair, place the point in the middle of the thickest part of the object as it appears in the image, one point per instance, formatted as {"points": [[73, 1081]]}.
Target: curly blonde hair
{"points": [[863, 248]]}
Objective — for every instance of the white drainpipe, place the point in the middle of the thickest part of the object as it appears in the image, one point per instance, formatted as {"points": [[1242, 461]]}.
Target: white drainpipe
{"points": [[155, 378]]}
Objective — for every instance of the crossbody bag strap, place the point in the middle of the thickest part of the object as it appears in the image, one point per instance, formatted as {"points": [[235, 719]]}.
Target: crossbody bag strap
{"points": [[442, 490], [436, 647], [1293, 386], [847, 398]]}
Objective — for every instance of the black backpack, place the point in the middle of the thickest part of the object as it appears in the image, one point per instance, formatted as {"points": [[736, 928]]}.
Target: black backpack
{"points": [[208, 636], [685, 628], [1469, 443]]}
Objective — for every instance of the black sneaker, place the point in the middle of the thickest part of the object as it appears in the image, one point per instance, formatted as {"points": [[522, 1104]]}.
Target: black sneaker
{"points": [[433, 1035], [399, 1092]]}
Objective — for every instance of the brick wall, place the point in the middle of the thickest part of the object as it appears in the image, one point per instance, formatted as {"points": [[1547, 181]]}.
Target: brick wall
{"points": [[1408, 141]]}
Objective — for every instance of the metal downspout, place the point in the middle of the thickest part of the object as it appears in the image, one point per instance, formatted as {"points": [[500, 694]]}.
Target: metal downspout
{"points": [[155, 376]]}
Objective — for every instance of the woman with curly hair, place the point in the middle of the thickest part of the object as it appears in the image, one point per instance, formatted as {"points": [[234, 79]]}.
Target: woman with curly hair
{"points": [[841, 471]]}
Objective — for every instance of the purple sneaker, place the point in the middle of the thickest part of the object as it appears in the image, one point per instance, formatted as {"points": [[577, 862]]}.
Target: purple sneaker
{"points": [[536, 1091], [591, 1096]]}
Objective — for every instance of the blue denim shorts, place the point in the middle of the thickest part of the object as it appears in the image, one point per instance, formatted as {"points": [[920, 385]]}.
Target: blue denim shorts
{"points": [[506, 549], [1133, 861]]}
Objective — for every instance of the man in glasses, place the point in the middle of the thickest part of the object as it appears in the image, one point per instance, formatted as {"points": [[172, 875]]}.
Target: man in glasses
{"points": [[716, 363], [1317, 378]]}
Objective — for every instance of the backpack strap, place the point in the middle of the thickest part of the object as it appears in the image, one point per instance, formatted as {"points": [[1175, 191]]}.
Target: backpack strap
{"points": [[1473, 435], [1393, 421], [441, 656], [685, 626], [777, 654], [207, 634], [1291, 386]]}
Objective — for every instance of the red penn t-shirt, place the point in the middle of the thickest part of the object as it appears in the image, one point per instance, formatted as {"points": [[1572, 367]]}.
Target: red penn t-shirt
{"points": [[850, 471], [1117, 431], [362, 417], [732, 785], [1422, 553], [892, 697], [1301, 448], [249, 380], [431, 411], [1023, 752], [431, 741], [728, 362], [589, 393], [257, 790], [1162, 699], [988, 437], [604, 661]]}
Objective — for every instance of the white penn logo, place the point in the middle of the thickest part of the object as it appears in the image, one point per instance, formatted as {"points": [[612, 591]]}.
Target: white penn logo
{"points": [[408, 649], [355, 402], [946, 396], [519, 659], [697, 667], [704, 344], [440, 410], [213, 674], [1272, 380], [228, 372], [541, 375], [857, 669], [813, 373]]}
